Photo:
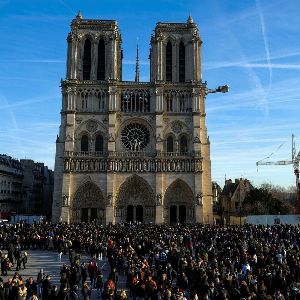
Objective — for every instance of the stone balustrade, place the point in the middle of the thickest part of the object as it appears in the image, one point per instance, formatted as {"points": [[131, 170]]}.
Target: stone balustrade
{"points": [[126, 154]]}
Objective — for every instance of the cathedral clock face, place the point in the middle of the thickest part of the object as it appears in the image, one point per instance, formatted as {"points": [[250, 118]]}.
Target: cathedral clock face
{"points": [[135, 137]]}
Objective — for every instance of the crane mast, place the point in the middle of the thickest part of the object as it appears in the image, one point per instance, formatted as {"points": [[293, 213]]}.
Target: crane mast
{"points": [[295, 162]]}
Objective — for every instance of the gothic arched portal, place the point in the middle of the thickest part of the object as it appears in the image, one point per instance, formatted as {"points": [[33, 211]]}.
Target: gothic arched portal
{"points": [[88, 204], [135, 201], [179, 206]]}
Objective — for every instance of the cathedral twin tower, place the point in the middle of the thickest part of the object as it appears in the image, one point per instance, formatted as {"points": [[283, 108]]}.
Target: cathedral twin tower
{"points": [[128, 150]]}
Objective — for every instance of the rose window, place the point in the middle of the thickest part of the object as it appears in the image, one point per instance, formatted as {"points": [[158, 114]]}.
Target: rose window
{"points": [[135, 137]]}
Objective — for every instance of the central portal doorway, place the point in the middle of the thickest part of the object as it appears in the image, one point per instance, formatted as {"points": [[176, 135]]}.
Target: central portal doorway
{"points": [[182, 214], [135, 201], [135, 213], [130, 213], [173, 214], [177, 214], [139, 214]]}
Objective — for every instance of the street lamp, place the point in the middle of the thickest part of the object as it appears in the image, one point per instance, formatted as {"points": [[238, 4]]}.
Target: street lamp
{"points": [[219, 89]]}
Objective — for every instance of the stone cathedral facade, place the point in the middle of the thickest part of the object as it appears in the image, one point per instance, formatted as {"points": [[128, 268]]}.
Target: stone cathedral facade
{"points": [[130, 150]]}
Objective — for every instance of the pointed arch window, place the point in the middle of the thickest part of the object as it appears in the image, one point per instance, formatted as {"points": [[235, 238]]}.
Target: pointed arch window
{"points": [[169, 102], [181, 62], [170, 144], [183, 144], [101, 102], [101, 60], [84, 143], [169, 61], [182, 105], [87, 60], [99, 143]]}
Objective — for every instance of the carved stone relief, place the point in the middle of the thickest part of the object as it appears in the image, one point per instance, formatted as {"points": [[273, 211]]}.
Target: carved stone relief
{"points": [[135, 191], [178, 192], [165, 119], [159, 139], [69, 138], [176, 126], [78, 120], [188, 121], [91, 126], [111, 138], [196, 139], [88, 195]]}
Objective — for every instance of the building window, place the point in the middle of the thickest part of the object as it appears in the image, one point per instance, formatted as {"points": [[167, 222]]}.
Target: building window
{"points": [[101, 102], [135, 101], [170, 144], [99, 143], [169, 61], [84, 143], [182, 106], [169, 103], [87, 59], [84, 101], [183, 144], [101, 61], [236, 204], [181, 62]]}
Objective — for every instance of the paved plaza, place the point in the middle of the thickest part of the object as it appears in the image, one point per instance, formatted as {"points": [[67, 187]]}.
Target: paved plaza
{"points": [[48, 261]]}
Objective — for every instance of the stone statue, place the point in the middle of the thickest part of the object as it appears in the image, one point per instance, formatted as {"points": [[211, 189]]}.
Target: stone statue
{"points": [[65, 201], [158, 199], [110, 199], [199, 199]]}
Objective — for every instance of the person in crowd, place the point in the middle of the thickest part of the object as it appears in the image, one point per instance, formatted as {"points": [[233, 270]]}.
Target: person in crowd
{"points": [[2, 289], [99, 283], [83, 272], [31, 287], [24, 259], [54, 292], [39, 280], [22, 292], [73, 295], [123, 295], [64, 286], [46, 288], [5, 265], [86, 291]]}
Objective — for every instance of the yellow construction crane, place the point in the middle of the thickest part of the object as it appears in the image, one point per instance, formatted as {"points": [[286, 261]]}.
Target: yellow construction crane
{"points": [[295, 162]]}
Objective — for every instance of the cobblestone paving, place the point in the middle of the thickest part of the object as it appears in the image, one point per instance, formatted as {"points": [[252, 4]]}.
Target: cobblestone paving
{"points": [[48, 260]]}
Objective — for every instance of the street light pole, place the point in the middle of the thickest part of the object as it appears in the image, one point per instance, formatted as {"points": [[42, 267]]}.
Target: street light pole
{"points": [[240, 205], [219, 89]]}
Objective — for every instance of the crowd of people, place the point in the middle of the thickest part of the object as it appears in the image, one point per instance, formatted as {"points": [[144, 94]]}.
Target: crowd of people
{"points": [[158, 262]]}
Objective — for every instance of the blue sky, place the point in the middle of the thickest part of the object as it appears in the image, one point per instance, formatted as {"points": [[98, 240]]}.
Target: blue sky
{"points": [[251, 45]]}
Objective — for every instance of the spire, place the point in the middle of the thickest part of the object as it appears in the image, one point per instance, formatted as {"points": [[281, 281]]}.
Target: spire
{"points": [[137, 65], [190, 19], [79, 15]]}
